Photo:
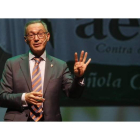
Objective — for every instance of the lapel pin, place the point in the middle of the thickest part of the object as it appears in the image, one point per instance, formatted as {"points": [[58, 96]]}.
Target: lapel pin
{"points": [[51, 65]]}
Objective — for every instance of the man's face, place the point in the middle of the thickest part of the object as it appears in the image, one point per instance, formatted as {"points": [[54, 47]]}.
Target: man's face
{"points": [[36, 43]]}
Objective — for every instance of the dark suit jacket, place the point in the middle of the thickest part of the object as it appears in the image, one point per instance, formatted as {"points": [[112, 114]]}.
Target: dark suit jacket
{"points": [[16, 81]]}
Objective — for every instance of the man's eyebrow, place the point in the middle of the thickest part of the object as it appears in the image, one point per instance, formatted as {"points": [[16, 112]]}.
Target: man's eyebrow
{"points": [[33, 31]]}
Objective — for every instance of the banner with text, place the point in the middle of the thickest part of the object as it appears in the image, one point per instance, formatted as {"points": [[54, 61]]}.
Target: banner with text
{"points": [[113, 76]]}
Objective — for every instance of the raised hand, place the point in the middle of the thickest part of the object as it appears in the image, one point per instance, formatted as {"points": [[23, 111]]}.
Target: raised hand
{"points": [[80, 66]]}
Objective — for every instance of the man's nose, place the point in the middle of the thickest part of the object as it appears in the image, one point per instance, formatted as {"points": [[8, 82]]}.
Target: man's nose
{"points": [[36, 37]]}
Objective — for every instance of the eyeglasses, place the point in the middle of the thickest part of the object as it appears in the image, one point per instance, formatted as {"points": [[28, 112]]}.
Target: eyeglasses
{"points": [[39, 34]]}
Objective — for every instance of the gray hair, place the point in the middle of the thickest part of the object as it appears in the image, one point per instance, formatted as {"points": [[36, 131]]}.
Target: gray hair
{"points": [[33, 22]]}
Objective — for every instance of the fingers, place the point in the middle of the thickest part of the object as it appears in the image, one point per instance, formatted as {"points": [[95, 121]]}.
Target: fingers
{"points": [[81, 56], [37, 94], [76, 57], [88, 61], [37, 100], [32, 101], [38, 97], [34, 98], [85, 57]]}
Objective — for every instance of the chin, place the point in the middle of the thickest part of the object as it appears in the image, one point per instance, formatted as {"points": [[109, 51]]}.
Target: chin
{"points": [[38, 51]]}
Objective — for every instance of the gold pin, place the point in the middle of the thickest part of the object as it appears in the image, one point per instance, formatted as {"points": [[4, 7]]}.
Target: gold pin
{"points": [[51, 65]]}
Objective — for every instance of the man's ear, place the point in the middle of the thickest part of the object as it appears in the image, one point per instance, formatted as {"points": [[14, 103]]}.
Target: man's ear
{"points": [[48, 36], [25, 39]]}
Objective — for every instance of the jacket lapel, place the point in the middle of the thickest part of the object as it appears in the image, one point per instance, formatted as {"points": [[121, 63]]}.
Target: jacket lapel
{"points": [[24, 64], [48, 71]]}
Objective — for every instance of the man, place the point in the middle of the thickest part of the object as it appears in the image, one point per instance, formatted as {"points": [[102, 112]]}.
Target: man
{"points": [[31, 83]]}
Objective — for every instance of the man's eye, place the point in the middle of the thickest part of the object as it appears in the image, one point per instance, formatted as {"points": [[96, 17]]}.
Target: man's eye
{"points": [[40, 33], [31, 35]]}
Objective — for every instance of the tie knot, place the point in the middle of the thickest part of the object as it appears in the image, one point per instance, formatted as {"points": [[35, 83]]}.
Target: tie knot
{"points": [[37, 60]]}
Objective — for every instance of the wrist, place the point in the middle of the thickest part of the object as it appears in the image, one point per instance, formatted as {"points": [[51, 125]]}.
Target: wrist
{"points": [[25, 96], [79, 77]]}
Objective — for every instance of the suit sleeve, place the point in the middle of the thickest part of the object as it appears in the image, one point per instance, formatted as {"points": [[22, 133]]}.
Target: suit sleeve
{"points": [[9, 99], [70, 86]]}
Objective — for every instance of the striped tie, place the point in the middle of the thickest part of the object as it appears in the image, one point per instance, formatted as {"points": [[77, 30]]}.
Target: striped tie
{"points": [[36, 111]]}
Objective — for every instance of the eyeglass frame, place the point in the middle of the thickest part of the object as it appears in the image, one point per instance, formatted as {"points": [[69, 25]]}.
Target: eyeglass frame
{"points": [[37, 35]]}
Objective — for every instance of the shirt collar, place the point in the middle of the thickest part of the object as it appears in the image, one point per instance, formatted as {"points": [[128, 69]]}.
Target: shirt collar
{"points": [[31, 55]]}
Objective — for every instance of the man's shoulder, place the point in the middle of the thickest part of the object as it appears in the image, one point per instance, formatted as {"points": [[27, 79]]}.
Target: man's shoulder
{"points": [[17, 58], [57, 60]]}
